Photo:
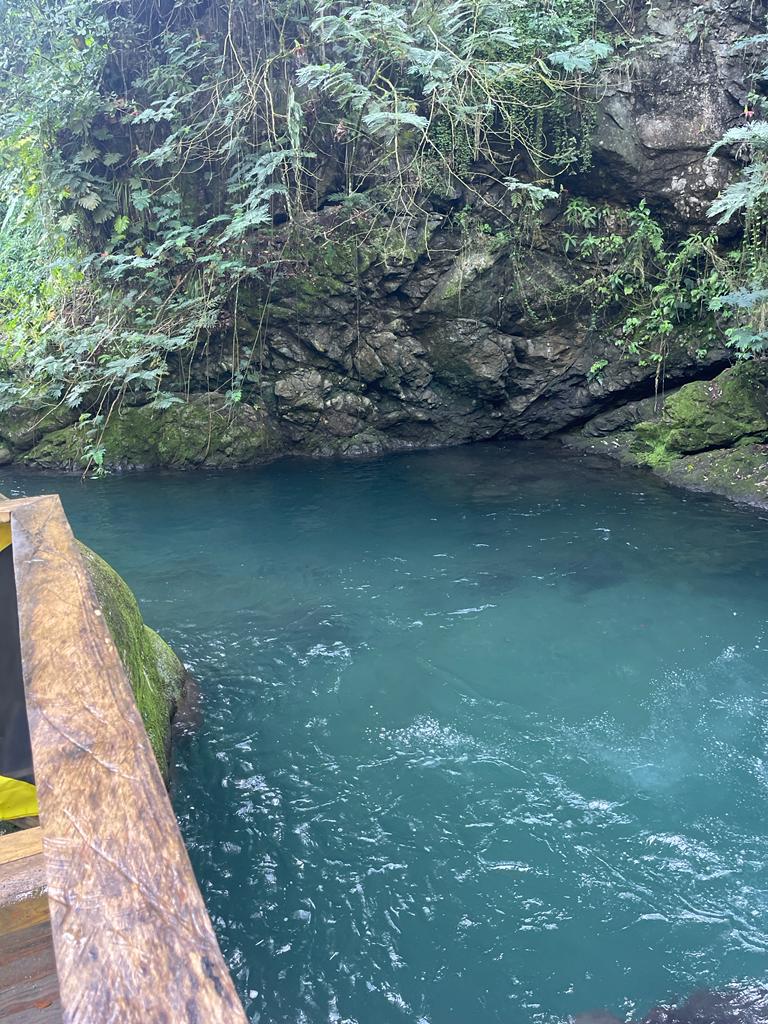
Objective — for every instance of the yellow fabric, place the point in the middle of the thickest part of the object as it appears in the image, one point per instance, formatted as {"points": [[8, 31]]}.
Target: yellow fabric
{"points": [[17, 799]]}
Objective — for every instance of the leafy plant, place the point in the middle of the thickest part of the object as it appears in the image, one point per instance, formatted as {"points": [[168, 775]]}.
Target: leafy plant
{"points": [[742, 304]]}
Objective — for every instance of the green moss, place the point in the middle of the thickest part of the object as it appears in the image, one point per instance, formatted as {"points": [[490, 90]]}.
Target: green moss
{"points": [[22, 427], [704, 415], [656, 456], [201, 432], [156, 674], [330, 268], [739, 473]]}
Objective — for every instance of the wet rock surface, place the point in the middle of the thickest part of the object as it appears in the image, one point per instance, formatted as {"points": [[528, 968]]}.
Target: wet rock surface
{"points": [[685, 88], [730, 410]]}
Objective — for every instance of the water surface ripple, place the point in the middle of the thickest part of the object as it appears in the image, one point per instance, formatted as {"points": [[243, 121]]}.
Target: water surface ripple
{"points": [[485, 731]]}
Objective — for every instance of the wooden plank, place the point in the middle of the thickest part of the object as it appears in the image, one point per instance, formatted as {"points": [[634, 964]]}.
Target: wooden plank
{"points": [[22, 869], [21, 879], [18, 845], [18, 916], [133, 940], [8, 505], [29, 991]]}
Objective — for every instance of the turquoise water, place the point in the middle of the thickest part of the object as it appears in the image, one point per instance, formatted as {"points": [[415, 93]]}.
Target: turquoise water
{"points": [[485, 731]]}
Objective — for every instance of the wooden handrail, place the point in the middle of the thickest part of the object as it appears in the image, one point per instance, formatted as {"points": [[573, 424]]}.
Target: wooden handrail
{"points": [[132, 938]]}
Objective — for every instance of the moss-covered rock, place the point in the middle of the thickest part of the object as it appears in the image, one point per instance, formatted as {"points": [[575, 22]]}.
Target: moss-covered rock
{"points": [[732, 409], [710, 435], [21, 427], [204, 431], [739, 473], [156, 674]]}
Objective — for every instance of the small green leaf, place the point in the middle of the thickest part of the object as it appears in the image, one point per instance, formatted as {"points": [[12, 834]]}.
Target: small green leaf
{"points": [[85, 155], [90, 201]]}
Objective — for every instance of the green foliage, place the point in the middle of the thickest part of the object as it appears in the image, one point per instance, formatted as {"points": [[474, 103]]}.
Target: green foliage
{"points": [[596, 370], [583, 56], [657, 290], [156, 160], [741, 304], [742, 195], [643, 289]]}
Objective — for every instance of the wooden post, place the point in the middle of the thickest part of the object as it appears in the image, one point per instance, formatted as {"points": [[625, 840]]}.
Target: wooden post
{"points": [[132, 938]]}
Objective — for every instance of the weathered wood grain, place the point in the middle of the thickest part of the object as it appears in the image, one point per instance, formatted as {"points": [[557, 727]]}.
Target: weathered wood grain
{"points": [[29, 990], [22, 869], [21, 880], [18, 916], [133, 940]]}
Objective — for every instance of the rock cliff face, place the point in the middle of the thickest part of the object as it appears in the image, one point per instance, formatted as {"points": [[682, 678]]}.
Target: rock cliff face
{"points": [[441, 331], [687, 86], [466, 337], [467, 340]]}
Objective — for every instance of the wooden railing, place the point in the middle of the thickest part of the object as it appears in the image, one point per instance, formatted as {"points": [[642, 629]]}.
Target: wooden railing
{"points": [[132, 938]]}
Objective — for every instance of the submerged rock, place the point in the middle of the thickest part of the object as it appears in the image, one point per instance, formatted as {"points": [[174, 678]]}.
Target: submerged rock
{"points": [[597, 1017], [746, 1005], [736, 1006], [156, 674]]}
